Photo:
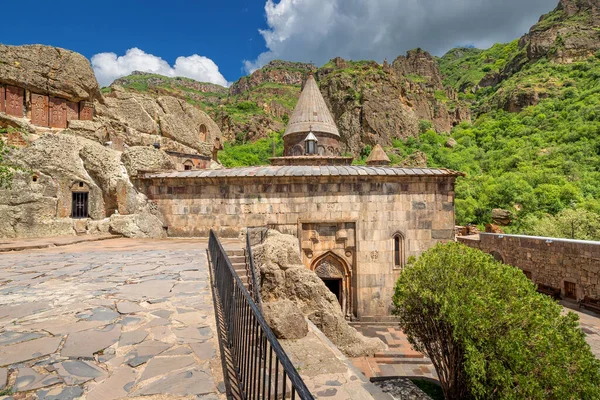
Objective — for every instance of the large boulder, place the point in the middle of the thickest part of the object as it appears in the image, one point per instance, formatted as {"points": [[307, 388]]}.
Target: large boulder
{"points": [[138, 119], [285, 319], [145, 159], [283, 277], [49, 70]]}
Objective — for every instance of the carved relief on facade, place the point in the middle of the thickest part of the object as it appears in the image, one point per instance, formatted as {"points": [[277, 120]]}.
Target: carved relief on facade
{"points": [[326, 270], [72, 110], [39, 109], [14, 101], [328, 249], [2, 99], [86, 111], [58, 112]]}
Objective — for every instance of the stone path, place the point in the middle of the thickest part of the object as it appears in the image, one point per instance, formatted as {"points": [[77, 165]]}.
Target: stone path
{"points": [[21, 244], [401, 360], [107, 320]]}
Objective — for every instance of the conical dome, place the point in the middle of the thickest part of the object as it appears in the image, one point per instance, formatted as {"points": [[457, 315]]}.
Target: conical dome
{"points": [[378, 157], [311, 112]]}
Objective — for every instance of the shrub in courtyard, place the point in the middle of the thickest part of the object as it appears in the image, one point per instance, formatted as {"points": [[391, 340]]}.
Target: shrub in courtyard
{"points": [[489, 334]]}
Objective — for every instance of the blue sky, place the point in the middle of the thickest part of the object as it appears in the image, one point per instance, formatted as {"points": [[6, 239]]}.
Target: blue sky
{"points": [[219, 41]]}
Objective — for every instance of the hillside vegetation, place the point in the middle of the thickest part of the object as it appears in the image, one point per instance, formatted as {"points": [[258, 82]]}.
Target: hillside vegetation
{"points": [[521, 119]]}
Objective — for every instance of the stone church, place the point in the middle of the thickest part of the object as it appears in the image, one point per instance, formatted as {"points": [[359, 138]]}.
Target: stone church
{"points": [[356, 225]]}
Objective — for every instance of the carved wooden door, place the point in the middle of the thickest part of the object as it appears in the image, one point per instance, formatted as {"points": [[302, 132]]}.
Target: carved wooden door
{"points": [[58, 112], [14, 101], [39, 109]]}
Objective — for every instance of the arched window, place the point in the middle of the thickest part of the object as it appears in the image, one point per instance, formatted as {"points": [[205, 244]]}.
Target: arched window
{"points": [[398, 250], [188, 165], [203, 132]]}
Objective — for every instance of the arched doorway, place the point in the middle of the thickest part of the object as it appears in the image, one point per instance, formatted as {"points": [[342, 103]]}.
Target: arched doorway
{"points": [[336, 275], [497, 256]]}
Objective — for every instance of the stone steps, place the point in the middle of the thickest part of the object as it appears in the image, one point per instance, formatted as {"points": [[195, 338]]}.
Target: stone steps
{"points": [[238, 262]]}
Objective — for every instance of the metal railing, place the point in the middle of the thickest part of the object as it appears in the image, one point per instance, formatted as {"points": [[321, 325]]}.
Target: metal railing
{"points": [[263, 369], [254, 284]]}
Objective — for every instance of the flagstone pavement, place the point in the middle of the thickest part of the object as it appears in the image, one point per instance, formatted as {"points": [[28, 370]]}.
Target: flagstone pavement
{"points": [[107, 320]]}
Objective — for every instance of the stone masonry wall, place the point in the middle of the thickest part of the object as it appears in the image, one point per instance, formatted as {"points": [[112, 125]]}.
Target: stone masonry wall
{"points": [[549, 261], [421, 208]]}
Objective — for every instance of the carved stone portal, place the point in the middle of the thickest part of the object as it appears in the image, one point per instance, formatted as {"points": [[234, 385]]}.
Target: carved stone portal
{"points": [[336, 274], [328, 271], [328, 249]]}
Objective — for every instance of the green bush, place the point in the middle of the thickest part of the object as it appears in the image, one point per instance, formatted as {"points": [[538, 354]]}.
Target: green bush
{"points": [[489, 334], [6, 169]]}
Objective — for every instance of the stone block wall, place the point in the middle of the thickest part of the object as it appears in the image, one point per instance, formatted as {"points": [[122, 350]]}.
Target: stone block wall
{"points": [[548, 261], [420, 208]]}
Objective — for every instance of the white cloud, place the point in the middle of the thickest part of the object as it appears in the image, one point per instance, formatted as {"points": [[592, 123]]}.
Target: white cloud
{"points": [[318, 30], [109, 66]]}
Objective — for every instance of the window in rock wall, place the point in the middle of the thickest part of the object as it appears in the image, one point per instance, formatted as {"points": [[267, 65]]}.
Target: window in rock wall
{"points": [[398, 250], [188, 165], [203, 132], [79, 205]]}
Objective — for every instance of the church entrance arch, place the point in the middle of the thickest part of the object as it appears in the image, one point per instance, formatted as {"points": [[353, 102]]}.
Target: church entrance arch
{"points": [[336, 274]]}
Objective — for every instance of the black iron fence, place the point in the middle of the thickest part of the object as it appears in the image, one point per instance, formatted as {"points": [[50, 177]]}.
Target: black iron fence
{"points": [[263, 369]]}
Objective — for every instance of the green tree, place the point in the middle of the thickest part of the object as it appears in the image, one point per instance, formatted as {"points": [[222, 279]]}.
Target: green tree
{"points": [[577, 223], [489, 334]]}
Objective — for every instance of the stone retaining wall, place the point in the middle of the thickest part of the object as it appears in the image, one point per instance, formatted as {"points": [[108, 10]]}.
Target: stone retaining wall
{"points": [[548, 261]]}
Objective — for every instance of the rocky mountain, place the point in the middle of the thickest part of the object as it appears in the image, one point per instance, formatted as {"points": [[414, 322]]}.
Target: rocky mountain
{"points": [[372, 103]]}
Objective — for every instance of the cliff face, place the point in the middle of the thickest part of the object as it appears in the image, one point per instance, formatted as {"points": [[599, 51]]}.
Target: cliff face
{"points": [[72, 138], [569, 33]]}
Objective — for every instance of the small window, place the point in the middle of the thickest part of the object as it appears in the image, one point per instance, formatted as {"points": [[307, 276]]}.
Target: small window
{"points": [[203, 132], [188, 165], [398, 250], [79, 205], [310, 147], [570, 290]]}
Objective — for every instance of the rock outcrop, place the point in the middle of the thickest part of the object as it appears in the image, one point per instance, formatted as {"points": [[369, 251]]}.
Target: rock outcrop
{"points": [[48, 70], [141, 120], [285, 319], [284, 278], [96, 155], [38, 203], [569, 33], [277, 71]]}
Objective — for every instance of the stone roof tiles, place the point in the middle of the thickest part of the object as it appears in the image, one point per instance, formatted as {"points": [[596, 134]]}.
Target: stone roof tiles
{"points": [[294, 171], [378, 156], [311, 112]]}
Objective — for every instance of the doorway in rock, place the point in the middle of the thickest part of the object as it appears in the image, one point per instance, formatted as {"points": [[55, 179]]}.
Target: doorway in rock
{"points": [[335, 286]]}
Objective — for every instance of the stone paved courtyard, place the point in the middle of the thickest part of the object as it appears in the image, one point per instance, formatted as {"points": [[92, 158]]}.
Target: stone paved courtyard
{"points": [[111, 319]]}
